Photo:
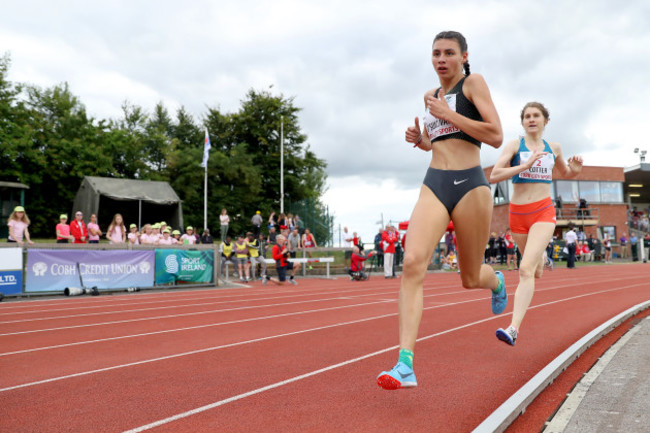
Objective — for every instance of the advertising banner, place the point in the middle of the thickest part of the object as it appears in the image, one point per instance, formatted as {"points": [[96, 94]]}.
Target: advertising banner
{"points": [[184, 266], [11, 270], [54, 270]]}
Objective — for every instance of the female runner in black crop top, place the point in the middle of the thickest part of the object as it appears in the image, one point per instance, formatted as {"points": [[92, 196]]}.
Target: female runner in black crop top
{"points": [[455, 188]]}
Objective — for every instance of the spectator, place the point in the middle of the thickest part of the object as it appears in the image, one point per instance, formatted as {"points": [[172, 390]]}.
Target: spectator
{"points": [[206, 237], [155, 233], [116, 232], [623, 241], [493, 247], [256, 258], [147, 236], [63, 230], [501, 241], [646, 247], [290, 223], [257, 221], [241, 256], [633, 245], [347, 244], [586, 253], [273, 221], [163, 226], [300, 224], [356, 264], [94, 232], [18, 223], [272, 236], [133, 236], [166, 239], [282, 220], [294, 243], [224, 220], [176, 234], [282, 264], [226, 250], [188, 238], [262, 245], [78, 229], [388, 238], [378, 248], [449, 242], [571, 238], [510, 250]]}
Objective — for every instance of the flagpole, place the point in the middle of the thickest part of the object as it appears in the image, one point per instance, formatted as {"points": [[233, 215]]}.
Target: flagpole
{"points": [[205, 199], [281, 164]]}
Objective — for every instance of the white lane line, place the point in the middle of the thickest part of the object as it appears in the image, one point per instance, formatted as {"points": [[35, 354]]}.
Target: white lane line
{"points": [[103, 313], [195, 313], [226, 298], [209, 349], [328, 368]]}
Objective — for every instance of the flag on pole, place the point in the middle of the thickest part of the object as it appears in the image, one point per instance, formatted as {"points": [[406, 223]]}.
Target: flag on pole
{"points": [[206, 149]]}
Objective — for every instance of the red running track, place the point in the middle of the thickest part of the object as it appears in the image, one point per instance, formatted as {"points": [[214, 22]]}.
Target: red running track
{"points": [[287, 359]]}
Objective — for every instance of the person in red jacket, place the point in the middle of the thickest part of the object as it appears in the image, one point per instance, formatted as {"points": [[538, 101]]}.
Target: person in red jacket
{"points": [[388, 240], [282, 264], [78, 229], [356, 264]]}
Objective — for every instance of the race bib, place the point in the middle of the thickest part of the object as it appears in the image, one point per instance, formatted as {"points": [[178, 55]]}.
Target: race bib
{"points": [[541, 170], [437, 127]]}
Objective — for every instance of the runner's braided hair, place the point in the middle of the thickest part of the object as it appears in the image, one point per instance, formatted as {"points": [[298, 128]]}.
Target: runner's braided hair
{"points": [[462, 43]]}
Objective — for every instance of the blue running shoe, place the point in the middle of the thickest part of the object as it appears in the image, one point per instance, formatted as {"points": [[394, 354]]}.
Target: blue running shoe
{"points": [[500, 298], [401, 376], [508, 335]]}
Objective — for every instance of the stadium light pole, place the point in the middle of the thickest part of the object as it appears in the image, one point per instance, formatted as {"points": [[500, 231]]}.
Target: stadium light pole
{"points": [[281, 164]]}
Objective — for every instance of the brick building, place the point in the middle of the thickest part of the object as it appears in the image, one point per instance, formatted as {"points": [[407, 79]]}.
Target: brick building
{"points": [[604, 189]]}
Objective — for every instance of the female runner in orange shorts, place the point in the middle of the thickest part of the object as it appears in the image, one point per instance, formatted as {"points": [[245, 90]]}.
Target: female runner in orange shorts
{"points": [[530, 161]]}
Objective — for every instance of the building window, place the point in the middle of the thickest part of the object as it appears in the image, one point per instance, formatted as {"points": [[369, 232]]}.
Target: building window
{"points": [[567, 190], [609, 230], [611, 192], [590, 190]]}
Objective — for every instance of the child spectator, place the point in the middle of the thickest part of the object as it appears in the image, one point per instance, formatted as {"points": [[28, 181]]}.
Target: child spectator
{"points": [[18, 223], [166, 237], [147, 237], [188, 238], [176, 234], [63, 230], [241, 255], [133, 236], [78, 229], [94, 232], [116, 232]]}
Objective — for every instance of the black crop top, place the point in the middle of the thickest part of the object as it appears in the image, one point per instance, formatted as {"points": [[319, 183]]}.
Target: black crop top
{"points": [[440, 129]]}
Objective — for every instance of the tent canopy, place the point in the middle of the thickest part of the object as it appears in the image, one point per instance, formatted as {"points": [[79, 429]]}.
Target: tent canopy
{"points": [[139, 201]]}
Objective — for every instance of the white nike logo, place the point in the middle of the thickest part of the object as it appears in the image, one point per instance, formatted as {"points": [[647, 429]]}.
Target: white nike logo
{"points": [[458, 182]]}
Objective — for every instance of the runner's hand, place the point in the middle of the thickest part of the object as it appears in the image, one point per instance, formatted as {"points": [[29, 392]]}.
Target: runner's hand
{"points": [[413, 133]]}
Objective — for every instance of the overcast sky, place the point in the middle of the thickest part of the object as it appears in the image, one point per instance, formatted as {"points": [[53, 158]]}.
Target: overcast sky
{"points": [[357, 69]]}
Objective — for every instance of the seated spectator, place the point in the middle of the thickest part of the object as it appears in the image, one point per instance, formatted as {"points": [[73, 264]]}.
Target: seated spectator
{"points": [[452, 260], [586, 254], [206, 237], [226, 250], [63, 235]]}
